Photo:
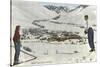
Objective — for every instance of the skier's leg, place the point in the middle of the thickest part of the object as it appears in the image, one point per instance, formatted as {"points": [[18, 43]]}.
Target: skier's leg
{"points": [[17, 53], [15, 57], [91, 39]]}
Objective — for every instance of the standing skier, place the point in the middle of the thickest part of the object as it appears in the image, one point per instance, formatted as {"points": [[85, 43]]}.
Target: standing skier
{"points": [[17, 44], [89, 31]]}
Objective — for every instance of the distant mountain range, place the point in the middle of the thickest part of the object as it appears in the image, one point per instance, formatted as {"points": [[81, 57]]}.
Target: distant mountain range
{"points": [[59, 9]]}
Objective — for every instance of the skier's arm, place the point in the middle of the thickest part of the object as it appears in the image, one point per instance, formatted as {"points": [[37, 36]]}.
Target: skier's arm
{"points": [[86, 28]]}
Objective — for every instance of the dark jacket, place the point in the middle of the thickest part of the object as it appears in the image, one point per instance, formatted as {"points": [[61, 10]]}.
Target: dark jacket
{"points": [[16, 35]]}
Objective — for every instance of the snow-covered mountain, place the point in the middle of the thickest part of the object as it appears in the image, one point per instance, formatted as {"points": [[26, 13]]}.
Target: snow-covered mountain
{"points": [[35, 14], [26, 12], [66, 9], [57, 9]]}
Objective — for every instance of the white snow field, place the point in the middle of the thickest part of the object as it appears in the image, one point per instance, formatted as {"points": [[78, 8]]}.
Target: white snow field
{"points": [[24, 13]]}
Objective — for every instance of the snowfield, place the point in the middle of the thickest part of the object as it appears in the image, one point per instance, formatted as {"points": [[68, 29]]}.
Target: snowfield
{"points": [[29, 14], [56, 53]]}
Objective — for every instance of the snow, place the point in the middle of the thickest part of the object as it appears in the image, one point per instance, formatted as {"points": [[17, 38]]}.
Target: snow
{"points": [[57, 53], [25, 12]]}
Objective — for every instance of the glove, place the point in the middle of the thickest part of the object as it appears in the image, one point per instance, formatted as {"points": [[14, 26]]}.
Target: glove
{"points": [[85, 32]]}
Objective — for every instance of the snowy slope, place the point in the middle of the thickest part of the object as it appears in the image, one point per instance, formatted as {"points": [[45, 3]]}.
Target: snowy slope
{"points": [[77, 16], [34, 10], [24, 13], [72, 21]]}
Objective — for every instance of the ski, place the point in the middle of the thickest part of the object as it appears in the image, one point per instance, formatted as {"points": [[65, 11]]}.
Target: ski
{"points": [[24, 61]]}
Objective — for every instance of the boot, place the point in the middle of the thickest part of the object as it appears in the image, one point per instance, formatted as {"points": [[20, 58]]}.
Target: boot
{"points": [[93, 49]]}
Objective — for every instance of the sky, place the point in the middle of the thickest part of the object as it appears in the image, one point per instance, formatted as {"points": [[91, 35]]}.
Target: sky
{"points": [[72, 6]]}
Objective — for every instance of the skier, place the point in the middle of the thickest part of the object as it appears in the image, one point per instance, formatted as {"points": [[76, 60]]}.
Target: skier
{"points": [[89, 31], [17, 43]]}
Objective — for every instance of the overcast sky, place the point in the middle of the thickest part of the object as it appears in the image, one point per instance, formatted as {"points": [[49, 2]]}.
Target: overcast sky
{"points": [[48, 3]]}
